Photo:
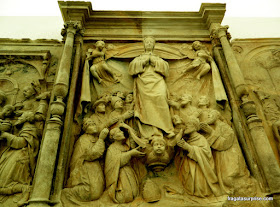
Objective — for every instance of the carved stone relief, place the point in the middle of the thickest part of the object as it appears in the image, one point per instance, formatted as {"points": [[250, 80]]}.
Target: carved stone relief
{"points": [[152, 129], [24, 106]]}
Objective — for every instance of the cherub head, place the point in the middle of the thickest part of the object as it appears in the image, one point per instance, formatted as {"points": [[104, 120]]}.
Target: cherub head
{"points": [[196, 45], [100, 45], [159, 145]]}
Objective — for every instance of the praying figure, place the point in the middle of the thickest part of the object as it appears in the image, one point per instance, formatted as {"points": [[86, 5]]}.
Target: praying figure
{"points": [[150, 92]]}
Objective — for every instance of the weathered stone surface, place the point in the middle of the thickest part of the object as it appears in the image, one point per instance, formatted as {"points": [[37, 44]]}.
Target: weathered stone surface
{"points": [[139, 109]]}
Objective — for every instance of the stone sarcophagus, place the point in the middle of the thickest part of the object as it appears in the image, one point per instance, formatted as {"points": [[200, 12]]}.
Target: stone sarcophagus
{"points": [[139, 109]]}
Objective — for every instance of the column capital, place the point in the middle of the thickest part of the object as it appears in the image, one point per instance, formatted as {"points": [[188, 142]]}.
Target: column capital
{"points": [[72, 27], [218, 32]]}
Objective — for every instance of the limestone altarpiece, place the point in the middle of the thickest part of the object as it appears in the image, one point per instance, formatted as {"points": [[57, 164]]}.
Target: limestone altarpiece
{"points": [[139, 109]]}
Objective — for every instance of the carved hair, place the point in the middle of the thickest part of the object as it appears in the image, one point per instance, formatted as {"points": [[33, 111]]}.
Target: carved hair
{"points": [[87, 122], [194, 121], [149, 37], [113, 132], [99, 42], [158, 139], [208, 101]]}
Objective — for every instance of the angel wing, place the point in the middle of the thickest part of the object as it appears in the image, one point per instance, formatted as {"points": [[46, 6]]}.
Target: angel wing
{"points": [[187, 50]]}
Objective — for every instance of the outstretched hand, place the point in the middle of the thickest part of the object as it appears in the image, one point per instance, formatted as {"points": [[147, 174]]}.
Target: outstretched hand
{"points": [[136, 153]]}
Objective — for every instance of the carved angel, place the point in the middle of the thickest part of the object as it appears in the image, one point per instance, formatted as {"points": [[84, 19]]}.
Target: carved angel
{"points": [[100, 70], [201, 60]]}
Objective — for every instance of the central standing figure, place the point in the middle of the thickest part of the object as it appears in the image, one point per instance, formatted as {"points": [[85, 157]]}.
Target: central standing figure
{"points": [[150, 92]]}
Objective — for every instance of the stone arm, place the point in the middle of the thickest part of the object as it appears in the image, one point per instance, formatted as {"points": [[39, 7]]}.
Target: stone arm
{"points": [[14, 141], [174, 104], [99, 147], [188, 148], [96, 151], [126, 156], [96, 53]]}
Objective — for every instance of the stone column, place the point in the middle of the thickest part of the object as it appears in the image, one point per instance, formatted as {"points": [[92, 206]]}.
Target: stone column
{"points": [[259, 138], [43, 179], [64, 154]]}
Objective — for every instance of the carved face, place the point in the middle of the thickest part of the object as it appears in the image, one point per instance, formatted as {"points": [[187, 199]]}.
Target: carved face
{"points": [[149, 44], [120, 94], [129, 98], [119, 135], [186, 98], [196, 45], [190, 127], [100, 108], [91, 129], [100, 45], [177, 120], [158, 147], [8, 111], [28, 92], [203, 101], [119, 104]]}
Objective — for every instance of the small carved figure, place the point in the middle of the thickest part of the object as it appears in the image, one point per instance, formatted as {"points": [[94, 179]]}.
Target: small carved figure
{"points": [[129, 102], [86, 181], [183, 107], [220, 136], [121, 180], [158, 156], [200, 63], [195, 162], [17, 162], [100, 70], [150, 91], [118, 112], [100, 117]]}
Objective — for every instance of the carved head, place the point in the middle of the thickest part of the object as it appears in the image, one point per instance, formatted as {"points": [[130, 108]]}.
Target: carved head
{"points": [[8, 110], [3, 98], [100, 44], [129, 98], [213, 116], [149, 43], [89, 126], [117, 102], [159, 145], [196, 45], [99, 106], [192, 125], [28, 92], [203, 101], [176, 119], [117, 134], [186, 98]]}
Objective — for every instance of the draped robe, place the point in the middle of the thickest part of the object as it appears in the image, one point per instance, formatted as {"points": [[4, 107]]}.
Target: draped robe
{"points": [[150, 92]]}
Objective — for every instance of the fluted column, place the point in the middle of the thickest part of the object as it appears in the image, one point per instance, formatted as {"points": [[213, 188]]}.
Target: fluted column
{"points": [[260, 140], [42, 182]]}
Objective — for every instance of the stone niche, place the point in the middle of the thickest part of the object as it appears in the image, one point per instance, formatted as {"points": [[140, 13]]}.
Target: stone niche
{"points": [[140, 109]]}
